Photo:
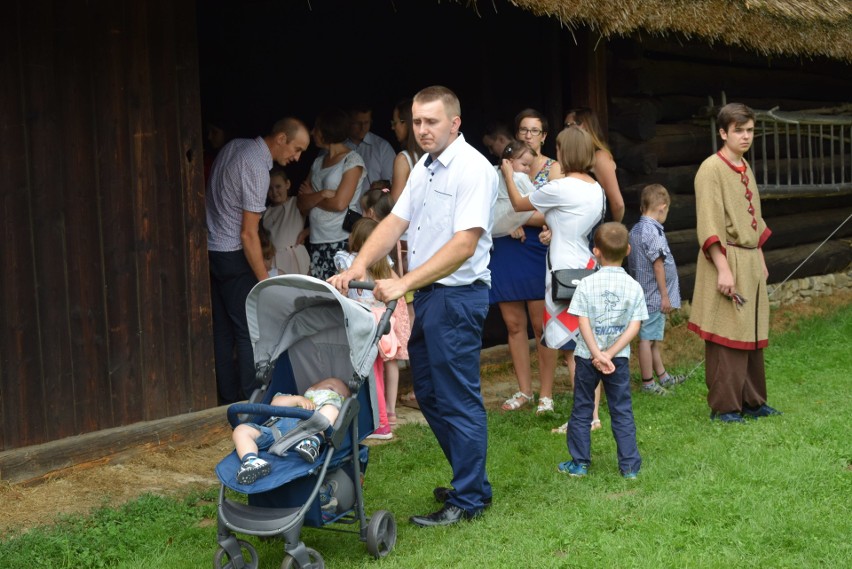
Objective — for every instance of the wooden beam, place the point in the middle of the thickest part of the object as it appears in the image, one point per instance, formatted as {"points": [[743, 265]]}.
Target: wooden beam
{"points": [[33, 463]]}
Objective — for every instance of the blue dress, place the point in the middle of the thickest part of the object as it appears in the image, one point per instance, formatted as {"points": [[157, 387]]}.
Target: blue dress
{"points": [[518, 269]]}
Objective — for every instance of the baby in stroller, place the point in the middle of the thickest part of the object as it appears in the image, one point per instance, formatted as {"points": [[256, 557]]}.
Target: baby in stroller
{"points": [[325, 396]]}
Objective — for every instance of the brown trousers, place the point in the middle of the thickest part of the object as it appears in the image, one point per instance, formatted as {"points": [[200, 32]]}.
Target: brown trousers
{"points": [[735, 378]]}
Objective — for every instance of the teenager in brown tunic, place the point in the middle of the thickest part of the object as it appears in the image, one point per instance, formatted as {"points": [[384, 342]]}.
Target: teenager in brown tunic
{"points": [[730, 305]]}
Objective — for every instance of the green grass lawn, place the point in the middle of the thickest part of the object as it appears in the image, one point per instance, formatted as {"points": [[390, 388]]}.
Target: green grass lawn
{"points": [[771, 493]]}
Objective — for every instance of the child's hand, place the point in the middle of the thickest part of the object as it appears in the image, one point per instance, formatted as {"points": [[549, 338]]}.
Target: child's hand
{"points": [[518, 233], [506, 168], [603, 363], [305, 403], [665, 305]]}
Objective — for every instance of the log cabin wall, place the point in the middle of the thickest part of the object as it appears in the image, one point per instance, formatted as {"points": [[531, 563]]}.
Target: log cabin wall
{"points": [[659, 130], [104, 295], [104, 288]]}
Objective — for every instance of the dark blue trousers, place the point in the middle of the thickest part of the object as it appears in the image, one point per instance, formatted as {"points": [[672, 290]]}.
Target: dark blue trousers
{"points": [[231, 280], [617, 388], [444, 350]]}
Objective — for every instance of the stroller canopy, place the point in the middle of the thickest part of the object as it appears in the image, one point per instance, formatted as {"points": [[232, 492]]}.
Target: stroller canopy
{"points": [[312, 319]]}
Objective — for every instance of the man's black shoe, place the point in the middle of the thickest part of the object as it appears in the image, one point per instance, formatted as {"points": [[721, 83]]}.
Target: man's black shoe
{"points": [[441, 494], [448, 515]]}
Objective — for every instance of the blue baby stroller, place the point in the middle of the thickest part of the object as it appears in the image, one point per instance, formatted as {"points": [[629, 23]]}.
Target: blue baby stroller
{"points": [[303, 330]]}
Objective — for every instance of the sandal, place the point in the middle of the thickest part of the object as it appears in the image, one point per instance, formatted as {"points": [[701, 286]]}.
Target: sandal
{"points": [[596, 424], [545, 405], [516, 401]]}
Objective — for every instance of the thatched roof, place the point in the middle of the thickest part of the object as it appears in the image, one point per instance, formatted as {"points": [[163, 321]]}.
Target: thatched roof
{"points": [[782, 27]]}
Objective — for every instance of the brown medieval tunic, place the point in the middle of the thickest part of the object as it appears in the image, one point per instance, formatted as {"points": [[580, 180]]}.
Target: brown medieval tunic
{"points": [[728, 210]]}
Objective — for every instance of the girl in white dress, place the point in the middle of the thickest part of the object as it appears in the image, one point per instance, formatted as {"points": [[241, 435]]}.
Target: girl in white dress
{"points": [[286, 226]]}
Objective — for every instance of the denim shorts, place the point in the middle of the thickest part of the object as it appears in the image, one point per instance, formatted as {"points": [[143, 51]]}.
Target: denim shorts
{"points": [[267, 435], [653, 327]]}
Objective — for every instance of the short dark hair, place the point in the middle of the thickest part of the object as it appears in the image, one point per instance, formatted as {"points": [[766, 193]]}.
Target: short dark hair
{"points": [[290, 126], [531, 113], [452, 106], [498, 128], [734, 114], [613, 239]]}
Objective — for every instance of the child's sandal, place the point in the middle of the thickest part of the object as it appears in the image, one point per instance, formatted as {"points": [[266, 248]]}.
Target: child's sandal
{"points": [[516, 401]]}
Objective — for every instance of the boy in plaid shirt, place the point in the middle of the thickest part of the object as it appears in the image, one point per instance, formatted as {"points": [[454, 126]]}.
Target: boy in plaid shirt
{"points": [[610, 306], [650, 262]]}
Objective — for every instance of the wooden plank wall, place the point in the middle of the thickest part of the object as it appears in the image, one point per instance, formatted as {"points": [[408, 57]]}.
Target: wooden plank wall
{"points": [[104, 289], [657, 96]]}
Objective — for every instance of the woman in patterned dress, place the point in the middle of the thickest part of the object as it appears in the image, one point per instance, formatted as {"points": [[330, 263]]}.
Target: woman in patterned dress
{"points": [[517, 273]]}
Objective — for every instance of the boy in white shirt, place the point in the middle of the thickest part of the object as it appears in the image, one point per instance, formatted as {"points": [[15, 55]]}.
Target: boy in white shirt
{"points": [[611, 307]]}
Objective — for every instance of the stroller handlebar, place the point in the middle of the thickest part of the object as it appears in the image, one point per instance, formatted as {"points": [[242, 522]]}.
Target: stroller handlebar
{"points": [[365, 285], [262, 410]]}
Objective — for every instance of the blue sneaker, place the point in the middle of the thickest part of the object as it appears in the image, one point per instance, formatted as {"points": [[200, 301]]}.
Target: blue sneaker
{"points": [[727, 417], [762, 411], [571, 468], [309, 448], [252, 469], [629, 475]]}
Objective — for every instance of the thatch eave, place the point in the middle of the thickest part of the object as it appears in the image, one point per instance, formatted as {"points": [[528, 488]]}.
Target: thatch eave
{"points": [[809, 28]]}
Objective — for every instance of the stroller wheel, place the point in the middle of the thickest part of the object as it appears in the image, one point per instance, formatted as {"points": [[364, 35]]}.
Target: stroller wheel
{"points": [[248, 559], [381, 534], [316, 561]]}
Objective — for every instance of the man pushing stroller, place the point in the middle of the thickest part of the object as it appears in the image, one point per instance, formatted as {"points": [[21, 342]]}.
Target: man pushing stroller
{"points": [[276, 434]]}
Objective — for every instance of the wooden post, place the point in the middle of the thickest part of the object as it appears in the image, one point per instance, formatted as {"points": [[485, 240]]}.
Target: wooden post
{"points": [[587, 70]]}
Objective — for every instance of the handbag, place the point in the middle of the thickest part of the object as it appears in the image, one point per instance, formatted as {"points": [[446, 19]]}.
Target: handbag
{"points": [[563, 282], [349, 219]]}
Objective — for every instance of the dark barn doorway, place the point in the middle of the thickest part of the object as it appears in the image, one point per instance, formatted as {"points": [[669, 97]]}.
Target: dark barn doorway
{"points": [[261, 60]]}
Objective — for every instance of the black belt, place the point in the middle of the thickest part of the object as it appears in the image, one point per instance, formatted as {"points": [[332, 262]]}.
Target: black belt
{"points": [[429, 288]]}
